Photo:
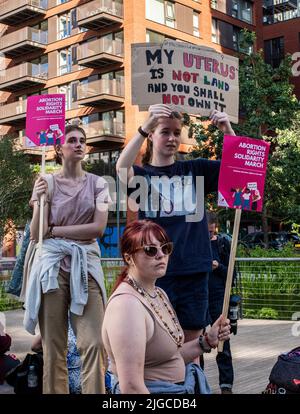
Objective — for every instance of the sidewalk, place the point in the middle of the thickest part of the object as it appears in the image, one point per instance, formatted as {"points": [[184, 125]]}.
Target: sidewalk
{"points": [[254, 349]]}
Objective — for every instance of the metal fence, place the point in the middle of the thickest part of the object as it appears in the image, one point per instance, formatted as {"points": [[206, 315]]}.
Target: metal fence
{"points": [[269, 287]]}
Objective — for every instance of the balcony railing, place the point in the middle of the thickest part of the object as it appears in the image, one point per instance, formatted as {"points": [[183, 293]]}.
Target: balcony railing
{"points": [[101, 92], [281, 5], [13, 112], [100, 131], [100, 13], [22, 76], [17, 11], [23, 41], [100, 52]]}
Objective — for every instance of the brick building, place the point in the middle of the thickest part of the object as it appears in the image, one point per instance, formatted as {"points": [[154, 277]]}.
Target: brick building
{"points": [[83, 48]]}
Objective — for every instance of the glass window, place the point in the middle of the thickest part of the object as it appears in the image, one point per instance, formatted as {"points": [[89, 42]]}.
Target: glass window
{"points": [[242, 9], [274, 51], [215, 31], [67, 59], [161, 11], [69, 91], [154, 37], [66, 22], [196, 24]]}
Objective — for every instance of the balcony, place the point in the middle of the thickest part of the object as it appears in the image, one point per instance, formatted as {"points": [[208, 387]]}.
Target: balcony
{"points": [[100, 52], [17, 11], [13, 113], [279, 6], [106, 134], [97, 14], [22, 76], [23, 41], [101, 92]]}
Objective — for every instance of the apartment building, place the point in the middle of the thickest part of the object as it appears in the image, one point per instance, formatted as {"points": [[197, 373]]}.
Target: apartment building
{"points": [[83, 49]]}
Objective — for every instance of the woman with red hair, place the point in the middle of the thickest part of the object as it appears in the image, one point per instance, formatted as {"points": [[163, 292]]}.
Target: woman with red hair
{"points": [[141, 332]]}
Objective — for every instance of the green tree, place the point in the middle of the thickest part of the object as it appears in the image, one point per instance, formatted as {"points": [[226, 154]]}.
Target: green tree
{"points": [[267, 104], [16, 180]]}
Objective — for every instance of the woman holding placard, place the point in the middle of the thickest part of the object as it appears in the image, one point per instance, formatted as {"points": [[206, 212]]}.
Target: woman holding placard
{"points": [[171, 185], [68, 277]]}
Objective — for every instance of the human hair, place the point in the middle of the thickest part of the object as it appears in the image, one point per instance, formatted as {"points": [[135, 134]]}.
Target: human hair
{"points": [[147, 156], [68, 129], [137, 234], [212, 217]]}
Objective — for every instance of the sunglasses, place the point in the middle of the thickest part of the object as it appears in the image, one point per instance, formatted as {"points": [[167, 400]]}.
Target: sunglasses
{"points": [[152, 251]]}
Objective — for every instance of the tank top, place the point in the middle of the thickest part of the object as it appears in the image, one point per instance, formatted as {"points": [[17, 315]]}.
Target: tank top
{"points": [[163, 360]]}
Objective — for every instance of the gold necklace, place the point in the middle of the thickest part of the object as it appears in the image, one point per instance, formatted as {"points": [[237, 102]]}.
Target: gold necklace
{"points": [[176, 333]]}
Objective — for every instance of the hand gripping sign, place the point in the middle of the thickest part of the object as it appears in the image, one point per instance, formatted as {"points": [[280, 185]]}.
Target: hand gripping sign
{"points": [[241, 186], [45, 125]]}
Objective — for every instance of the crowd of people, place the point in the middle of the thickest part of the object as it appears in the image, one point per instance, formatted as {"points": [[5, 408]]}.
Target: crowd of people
{"points": [[154, 328]]}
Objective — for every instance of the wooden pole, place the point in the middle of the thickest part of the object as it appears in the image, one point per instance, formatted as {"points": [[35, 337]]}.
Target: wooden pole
{"points": [[235, 236], [42, 202]]}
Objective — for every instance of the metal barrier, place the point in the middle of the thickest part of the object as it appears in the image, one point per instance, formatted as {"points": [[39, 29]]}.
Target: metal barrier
{"points": [[269, 287]]}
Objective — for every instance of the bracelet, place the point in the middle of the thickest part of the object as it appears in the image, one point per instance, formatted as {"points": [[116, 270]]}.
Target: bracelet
{"points": [[207, 341], [142, 132], [201, 344]]}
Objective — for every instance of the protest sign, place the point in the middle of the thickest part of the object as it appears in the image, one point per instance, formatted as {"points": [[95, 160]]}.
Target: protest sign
{"points": [[45, 119], [195, 79], [242, 173]]}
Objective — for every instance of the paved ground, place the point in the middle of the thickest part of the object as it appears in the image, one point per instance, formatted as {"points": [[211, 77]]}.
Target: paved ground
{"points": [[255, 350]]}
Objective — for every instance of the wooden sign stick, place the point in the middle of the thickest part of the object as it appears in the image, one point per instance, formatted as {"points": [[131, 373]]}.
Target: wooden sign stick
{"points": [[42, 202], [235, 235]]}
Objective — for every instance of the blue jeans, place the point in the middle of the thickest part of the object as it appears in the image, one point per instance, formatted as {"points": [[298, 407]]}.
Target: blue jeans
{"points": [[224, 359]]}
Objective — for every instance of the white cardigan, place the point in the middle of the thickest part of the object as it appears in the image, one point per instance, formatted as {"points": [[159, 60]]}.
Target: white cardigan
{"points": [[85, 258]]}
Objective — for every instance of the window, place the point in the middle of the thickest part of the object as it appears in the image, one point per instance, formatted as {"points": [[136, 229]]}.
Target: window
{"points": [[215, 31], [70, 92], [242, 10], [161, 11], [66, 23], [196, 24], [40, 32], [274, 51], [67, 59], [237, 41], [214, 4], [154, 37]]}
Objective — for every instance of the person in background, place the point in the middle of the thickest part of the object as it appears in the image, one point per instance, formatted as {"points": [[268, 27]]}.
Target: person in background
{"points": [[220, 247]]}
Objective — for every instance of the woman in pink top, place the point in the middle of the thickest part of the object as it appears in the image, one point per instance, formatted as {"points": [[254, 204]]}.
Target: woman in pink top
{"points": [[76, 212], [141, 332]]}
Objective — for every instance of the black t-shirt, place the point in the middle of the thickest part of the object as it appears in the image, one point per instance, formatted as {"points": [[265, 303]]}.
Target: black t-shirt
{"points": [[170, 202]]}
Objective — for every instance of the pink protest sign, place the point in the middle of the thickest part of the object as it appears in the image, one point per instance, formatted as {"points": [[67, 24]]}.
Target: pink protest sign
{"points": [[45, 119], [242, 173]]}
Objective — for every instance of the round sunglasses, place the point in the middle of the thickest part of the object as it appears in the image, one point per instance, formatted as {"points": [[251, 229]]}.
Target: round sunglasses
{"points": [[151, 250]]}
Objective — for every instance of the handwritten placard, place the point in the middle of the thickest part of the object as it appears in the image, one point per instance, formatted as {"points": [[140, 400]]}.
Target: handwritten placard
{"points": [[195, 79]]}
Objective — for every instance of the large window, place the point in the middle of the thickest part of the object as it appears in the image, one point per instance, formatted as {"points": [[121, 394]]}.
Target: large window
{"points": [[161, 11], [215, 31], [274, 51], [67, 59], [242, 10], [66, 23], [196, 31], [70, 91]]}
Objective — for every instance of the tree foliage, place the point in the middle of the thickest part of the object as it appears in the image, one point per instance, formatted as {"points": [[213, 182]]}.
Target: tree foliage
{"points": [[267, 111], [16, 180]]}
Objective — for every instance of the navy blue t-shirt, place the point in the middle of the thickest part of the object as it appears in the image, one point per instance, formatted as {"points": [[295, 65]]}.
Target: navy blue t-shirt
{"points": [[169, 202]]}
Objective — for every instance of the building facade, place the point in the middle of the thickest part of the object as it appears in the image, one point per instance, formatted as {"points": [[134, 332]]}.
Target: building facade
{"points": [[83, 49]]}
